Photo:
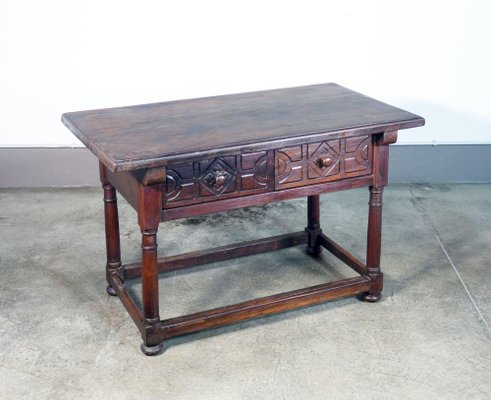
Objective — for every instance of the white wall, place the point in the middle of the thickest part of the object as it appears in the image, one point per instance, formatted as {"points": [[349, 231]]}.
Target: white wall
{"points": [[430, 57]]}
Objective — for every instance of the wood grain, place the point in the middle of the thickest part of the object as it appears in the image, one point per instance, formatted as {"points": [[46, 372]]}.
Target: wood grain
{"points": [[150, 135], [192, 157], [261, 307], [264, 198], [201, 257]]}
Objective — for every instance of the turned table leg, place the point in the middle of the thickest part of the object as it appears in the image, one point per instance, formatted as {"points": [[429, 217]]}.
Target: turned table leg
{"points": [[313, 224], [150, 206], [111, 218], [374, 237], [150, 291], [374, 245]]}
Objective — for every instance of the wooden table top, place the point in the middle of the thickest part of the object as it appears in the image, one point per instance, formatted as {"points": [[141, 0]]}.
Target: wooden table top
{"points": [[150, 135]]}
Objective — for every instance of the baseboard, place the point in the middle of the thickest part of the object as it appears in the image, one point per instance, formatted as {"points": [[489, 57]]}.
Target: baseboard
{"points": [[48, 167], [451, 163], [77, 167]]}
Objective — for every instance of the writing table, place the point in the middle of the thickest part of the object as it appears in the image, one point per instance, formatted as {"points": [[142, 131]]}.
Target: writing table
{"points": [[184, 158]]}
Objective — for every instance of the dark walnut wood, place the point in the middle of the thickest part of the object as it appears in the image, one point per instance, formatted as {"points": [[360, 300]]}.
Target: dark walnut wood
{"points": [[150, 135], [191, 157], [217, 178], [321, 162]]}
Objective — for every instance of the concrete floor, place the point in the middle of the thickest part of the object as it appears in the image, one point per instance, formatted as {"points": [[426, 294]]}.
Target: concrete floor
{"points": [[62, 337]]}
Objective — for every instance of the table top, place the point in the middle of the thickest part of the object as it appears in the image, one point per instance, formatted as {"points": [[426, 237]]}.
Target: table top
{"points": [[150, 135]]}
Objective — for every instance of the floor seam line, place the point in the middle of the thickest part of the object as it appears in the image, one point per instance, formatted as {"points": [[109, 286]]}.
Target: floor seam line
{"points": [[481, 317], [427, 218]]}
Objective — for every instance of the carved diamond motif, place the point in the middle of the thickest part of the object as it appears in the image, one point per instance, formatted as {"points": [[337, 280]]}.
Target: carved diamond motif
{"points": [[218, 177], [325, 160]]}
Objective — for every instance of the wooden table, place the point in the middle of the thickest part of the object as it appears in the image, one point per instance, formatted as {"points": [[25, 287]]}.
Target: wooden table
{"points": [[183, 158]]}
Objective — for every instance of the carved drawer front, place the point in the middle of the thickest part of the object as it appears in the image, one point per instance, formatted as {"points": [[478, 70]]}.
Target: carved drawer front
{"points": [[322, 162], [217, 178]]}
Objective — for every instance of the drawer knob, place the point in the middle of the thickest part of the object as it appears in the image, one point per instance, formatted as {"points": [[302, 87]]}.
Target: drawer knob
{"points": [[325, 161], [220, 179]]}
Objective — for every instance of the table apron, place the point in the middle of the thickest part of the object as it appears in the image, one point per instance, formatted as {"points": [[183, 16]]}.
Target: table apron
{"points": [[263, 198]]}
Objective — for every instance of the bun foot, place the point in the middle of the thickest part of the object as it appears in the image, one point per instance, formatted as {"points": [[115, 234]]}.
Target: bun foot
{"points": [[110, 291], [313, 251], [151, 350], [371, 297]]}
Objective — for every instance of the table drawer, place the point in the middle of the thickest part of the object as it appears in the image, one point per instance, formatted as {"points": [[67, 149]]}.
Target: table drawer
{"points": [[323, 161], [217, 178]]}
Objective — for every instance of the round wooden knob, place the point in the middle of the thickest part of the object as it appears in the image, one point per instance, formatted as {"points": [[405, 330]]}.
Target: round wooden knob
{"points": [[325, 161], [219, 180]]}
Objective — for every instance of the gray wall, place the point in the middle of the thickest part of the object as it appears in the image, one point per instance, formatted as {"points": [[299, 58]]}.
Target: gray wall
{"points": [[74, 167]]}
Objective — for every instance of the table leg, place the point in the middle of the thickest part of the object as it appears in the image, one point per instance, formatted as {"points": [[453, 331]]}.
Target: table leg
{"points": [[150, 291], [313, 224], [111, 218], [374, 245], [150, 205]]}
